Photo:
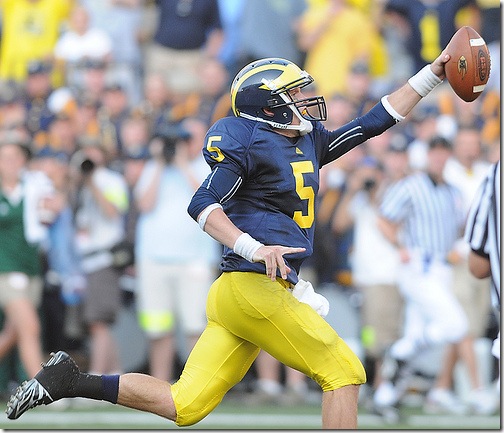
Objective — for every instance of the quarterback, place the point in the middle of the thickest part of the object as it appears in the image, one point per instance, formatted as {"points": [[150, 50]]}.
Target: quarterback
{"points": [[258, 202]]}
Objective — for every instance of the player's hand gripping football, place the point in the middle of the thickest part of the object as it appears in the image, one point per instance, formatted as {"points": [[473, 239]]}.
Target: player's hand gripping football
{"points": [[272, 257], [438, 65]]}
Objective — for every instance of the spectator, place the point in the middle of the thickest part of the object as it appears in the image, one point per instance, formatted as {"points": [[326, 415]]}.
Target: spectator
{"points": [[94, 80], [12, 107], [358, 88], [431, 214], [114, 110], [188, 31], [135, 135], [382, 304], [79, 43], [158, 100], [395, 161], [122, 21], [23, 223], [467, 170], [214, 79], [102, 204], [166, 254], [85, 118], [460, 112], [30, 29], [64, 283], [430, 25], [61, 136], [38, 89], [231, 13], [268, 29], [424, 126], [334, 24]]}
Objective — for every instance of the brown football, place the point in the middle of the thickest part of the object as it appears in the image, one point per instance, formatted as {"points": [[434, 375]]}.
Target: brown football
{"points": [[468, 69]]}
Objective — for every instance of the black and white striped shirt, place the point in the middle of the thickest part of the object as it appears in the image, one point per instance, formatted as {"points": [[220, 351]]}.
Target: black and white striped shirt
{"points": [[483, 224], [432, 214]]}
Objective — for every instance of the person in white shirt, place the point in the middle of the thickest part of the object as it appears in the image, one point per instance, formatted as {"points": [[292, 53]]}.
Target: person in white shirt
{"points": [[79, 43], [466, 169], [102, 204], [376, 279], [169, 247]]}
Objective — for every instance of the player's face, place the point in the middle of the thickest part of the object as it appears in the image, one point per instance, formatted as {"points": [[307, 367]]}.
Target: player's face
{"points": [[297, 95]]}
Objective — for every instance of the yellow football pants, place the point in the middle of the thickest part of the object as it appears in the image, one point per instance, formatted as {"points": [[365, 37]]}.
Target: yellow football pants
{"points": [[247, 312]]}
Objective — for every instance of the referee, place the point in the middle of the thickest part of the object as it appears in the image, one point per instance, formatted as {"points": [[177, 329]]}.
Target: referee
{"points": [[483, 235], [423, 216]]}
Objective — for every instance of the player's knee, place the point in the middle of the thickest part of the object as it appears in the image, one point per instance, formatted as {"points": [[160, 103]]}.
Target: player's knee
{"points": [[191, 404], [193, 414], [348, 370]]}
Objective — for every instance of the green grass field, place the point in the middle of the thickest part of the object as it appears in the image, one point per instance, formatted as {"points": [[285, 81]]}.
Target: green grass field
{"points": [[232, 415]]}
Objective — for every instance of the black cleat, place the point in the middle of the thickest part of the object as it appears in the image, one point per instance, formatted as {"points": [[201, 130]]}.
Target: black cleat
{"points": [[56, 380]]}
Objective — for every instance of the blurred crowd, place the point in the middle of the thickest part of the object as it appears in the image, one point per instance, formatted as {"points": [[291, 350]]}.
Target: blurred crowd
{"points": [[110, 100]]}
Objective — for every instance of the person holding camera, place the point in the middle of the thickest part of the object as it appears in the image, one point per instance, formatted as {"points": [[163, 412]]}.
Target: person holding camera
{"points": [[102, 202], [169, 247], [375, 279]]}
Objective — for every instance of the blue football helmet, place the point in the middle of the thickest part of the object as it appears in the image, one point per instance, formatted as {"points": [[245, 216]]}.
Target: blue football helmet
{"points": [[265, 84]]}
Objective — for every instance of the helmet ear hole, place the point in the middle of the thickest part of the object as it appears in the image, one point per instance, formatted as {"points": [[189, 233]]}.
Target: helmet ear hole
{"points": [[267, 112]]}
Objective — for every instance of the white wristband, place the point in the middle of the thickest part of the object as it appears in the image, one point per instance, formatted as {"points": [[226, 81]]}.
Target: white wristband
{"points": [[246, 246], [424, 81], [204, 215]]}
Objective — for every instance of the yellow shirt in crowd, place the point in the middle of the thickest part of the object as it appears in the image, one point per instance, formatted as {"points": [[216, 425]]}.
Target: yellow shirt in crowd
{"points": [[30, 29]]}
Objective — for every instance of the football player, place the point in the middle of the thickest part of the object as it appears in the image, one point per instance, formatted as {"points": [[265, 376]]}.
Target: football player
{"points": [[259, 202]]}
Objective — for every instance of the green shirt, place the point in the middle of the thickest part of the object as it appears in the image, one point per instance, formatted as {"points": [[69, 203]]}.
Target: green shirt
{"points": [[16, 254]]}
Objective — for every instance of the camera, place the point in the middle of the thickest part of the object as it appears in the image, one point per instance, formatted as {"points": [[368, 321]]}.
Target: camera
{"points": [[369, 184], [168, 150], [169, 136], [87, 166]]}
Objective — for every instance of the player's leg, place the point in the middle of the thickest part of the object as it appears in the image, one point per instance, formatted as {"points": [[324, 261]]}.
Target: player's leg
{"points": [[146, 393], [297, 336], [218, 361], [339, 408]]}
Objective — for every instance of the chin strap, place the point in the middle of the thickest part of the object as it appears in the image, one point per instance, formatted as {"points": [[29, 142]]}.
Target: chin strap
{"points": [[304, 127]]}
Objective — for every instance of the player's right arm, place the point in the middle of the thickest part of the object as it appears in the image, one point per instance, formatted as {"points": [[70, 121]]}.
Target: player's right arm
{"points": [[222, 229], [404, 99]]}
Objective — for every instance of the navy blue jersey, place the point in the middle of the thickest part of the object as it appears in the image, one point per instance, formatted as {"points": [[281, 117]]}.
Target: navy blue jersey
{"points": [[267, 183]]}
